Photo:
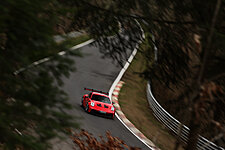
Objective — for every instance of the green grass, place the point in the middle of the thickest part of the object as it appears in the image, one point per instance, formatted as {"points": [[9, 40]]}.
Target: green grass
{"points": [[69, 42], [58, 47]]}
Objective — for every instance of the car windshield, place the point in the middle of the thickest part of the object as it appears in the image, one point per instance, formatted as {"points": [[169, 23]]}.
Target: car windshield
{"points": [[101, 99]]}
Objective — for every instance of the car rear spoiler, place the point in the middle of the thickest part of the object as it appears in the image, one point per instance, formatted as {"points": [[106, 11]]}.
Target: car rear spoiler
{"points": [[93, 90]]}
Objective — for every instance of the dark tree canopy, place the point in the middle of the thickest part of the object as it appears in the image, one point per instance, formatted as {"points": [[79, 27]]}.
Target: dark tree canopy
{"points": [[32, 106]]}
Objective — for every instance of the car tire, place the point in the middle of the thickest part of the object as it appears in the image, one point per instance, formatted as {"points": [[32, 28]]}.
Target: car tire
{"points": [[112, 117], [86, 108], [81, 104]]}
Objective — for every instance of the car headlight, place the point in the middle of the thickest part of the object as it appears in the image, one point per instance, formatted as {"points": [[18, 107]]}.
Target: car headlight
{"points": [[112, 108], [92, 104]]}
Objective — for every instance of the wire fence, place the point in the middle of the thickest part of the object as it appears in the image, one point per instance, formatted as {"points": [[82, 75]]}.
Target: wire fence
{"points": [[169, 121]]}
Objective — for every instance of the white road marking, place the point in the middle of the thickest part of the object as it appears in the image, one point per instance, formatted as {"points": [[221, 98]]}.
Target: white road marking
{"points": [[48, 58], [119, 78]]}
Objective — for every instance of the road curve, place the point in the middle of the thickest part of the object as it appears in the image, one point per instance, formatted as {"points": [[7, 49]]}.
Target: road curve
{"points": [[93, 71]]}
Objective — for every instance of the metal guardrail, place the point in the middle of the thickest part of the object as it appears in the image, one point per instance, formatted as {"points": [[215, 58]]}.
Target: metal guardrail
{"points": [[169, 121]]}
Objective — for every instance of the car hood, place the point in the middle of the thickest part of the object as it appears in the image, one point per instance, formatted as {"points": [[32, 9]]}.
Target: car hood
{"points": [[103, 105]]}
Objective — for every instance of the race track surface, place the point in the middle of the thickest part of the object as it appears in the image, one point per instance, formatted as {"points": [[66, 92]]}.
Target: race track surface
{"points": [[93, 71]]}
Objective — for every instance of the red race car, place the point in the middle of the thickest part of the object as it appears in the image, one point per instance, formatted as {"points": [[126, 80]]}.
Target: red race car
{"points": [[98, 102]]}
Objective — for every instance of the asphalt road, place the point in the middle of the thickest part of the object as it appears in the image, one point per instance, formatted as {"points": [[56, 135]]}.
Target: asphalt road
{"points": [[93, 71]]}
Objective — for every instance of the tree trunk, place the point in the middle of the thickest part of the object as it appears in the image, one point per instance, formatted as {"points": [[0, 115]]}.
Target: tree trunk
{"points": [[195, 123], [178, 141], [193, 134]]}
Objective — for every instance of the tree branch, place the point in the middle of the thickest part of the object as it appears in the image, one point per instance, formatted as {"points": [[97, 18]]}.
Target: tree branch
{"points": [[209, 41], [135, 16], [217, 77]]}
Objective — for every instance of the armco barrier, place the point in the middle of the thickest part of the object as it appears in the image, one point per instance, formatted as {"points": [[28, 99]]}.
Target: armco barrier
{"points": [[164, 117]]}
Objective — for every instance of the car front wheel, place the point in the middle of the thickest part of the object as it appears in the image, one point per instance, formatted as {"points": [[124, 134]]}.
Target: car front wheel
{"points": [[87, 107], [112, 117], [81, 103]]}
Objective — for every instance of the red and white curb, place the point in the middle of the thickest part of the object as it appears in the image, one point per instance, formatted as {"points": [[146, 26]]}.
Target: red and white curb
{"points": [[125, 121], [116, 86]]}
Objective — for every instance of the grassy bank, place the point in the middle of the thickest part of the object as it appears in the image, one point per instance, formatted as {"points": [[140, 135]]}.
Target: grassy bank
{"points": [[70, 42], [134, 104]]}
